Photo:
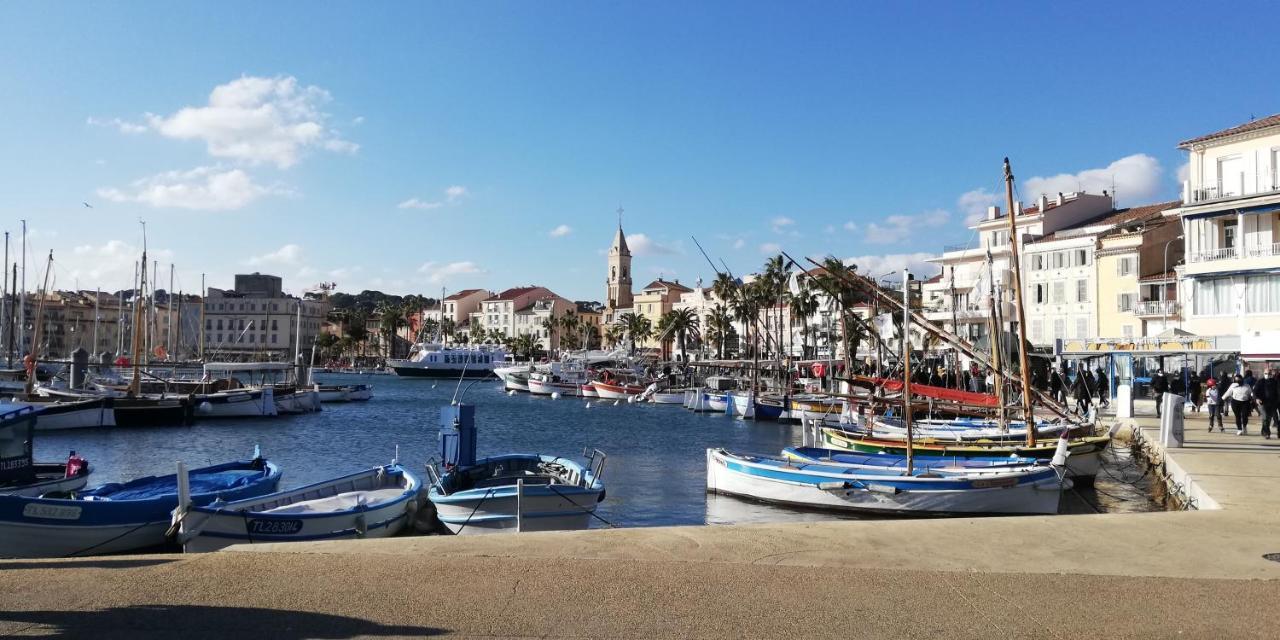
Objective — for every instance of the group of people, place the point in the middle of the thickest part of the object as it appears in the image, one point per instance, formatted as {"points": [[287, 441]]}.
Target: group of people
{"points": [[1243, 396]]}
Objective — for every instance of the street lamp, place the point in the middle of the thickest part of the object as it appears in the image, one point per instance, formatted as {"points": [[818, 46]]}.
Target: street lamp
{"points": [[1164, 286]]}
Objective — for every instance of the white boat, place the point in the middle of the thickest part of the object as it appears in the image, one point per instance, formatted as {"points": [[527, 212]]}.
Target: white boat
{"points": [[539, 386], [298, 401], [435, 360], [58, 413], [516, 382], [237, 403], [961, 429], [509, 493], [1028, 490], [20, 475], [655, 395], [376, 503], [588, 390], [345, 392]]}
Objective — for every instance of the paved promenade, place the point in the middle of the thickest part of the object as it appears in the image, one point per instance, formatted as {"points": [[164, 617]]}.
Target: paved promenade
{"points": [[1193, 574]]}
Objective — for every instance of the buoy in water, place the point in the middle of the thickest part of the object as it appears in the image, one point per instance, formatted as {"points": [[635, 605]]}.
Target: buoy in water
{"points": [[588, 405], [511, 392], [555, 395], [617, 402], [204, 408]]}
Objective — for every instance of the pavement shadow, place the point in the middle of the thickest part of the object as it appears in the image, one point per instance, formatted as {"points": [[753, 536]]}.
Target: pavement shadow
{"points": [[198, 621], [95, 563]]}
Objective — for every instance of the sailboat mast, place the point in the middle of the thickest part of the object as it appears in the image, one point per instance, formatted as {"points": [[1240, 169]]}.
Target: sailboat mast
{"points": [[1024, 373], [906, 367], [169, 332], [97, 315], [993, 336], [13, 316], [7, 327], [135, 385], [202, 294], [22, 300], [32, 359]]}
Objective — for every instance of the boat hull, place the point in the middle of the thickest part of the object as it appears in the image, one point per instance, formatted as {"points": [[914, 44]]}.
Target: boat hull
{"points": [[84, 414], [667, 397], [608, 391], [50, 478], [588, 391], [546, 388], [249, 403], [732, 476], [300, 401], [495, 512], [475, 372]]}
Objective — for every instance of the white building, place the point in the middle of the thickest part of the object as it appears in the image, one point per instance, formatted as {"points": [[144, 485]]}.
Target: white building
{"points": [[1230, 216], [256, 319]]}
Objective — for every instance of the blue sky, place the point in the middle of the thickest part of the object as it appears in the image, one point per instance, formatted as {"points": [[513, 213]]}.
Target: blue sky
{"points": [[410, 146]]}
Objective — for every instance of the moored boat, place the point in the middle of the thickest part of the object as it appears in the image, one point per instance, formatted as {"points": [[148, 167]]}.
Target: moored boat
{"points": [[58, 413], [120, 516], [616, 390], [435, 360], [375, 503], [20, 475]]}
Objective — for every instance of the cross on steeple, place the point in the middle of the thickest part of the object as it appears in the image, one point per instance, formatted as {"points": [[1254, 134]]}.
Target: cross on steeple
{"points": [[620, 216]]}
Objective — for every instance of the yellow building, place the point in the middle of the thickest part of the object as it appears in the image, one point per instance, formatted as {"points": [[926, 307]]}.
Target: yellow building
{"points": [[1131, 269], [654, 301]]}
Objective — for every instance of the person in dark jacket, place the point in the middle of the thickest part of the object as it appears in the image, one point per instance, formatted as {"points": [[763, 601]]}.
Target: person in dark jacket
{"points": [[1056, 388], [1159, 386], [1195, 391], [1104, 391], [1080, 389], [1267, 390]]}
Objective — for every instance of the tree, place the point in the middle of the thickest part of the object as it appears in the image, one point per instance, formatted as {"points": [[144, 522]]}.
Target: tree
{"points": [[638, 328], [804, 304], [358, 330], [551, 323], [679, 322], [430, 327], [524, 345], [719, 328], [835, 280], [393, 318], [614, 334], [774, 289], [447, 327]]}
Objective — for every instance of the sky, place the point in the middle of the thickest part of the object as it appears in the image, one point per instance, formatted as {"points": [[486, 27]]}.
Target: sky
{"points": [[415, 147]]}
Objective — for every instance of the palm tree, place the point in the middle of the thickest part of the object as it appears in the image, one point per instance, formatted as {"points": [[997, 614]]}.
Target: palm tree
{"points": [[679, 322], [719, 328], [804, 304], [358, 330], [478, 334], [639, 328], [524, 345], [614, 334], [571, 324], [392, 319], [551, 323], [447, 327], [429, 327], [746, 309], [835, 281], [775, 278]]}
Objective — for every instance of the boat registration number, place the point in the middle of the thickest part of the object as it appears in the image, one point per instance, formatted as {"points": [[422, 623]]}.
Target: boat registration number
{"points": [[50, 511], [275, 527], [995, 483]]}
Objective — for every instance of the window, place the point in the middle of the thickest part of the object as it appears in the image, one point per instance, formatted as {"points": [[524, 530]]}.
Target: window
{"points": [[1125, 266], [273, 338], [219, 337], [1037, 330], [1081, 258], [274, 325], [1059, 292], [1124, 302], [1229, 234], [1212, 297], [1037, 262], [1082, 291], [252, 336], [1127, 331], [1041, 293], [1263, 294], [1082, 328], [208, 324], [1059, 328], [1230, 176]]}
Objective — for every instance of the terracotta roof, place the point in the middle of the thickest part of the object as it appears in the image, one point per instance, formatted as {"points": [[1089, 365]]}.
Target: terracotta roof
{"points": [[464, 293], [937, 278], [513, 293], [1252, 125], [666, 284], [1169, 275], [1111, 220]]}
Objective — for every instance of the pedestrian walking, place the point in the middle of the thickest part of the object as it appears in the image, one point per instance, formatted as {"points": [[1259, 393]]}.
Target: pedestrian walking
{"points": [[1056, 388], [1267, 391], [1196, 391], [1159, 386], [1104, 391], [1240, 396], [1214, 404], [1080, 389]]}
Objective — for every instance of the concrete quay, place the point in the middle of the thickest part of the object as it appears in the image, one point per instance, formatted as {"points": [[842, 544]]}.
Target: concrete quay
{"points": [[1190, 574]]}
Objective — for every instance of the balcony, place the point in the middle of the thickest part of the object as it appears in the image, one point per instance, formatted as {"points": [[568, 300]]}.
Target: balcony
{"points": [[1235, 186], [1224, 253], [1157, 309], [1265, 250]]}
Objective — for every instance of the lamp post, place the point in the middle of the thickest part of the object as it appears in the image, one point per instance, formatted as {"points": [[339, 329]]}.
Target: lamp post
{"points": [[1164, 287]]}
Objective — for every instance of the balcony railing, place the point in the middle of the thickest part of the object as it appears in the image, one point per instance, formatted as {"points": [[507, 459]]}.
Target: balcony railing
{"points": [[1237, 186], [1157, 308], [1224, 253], [1265, 250]]}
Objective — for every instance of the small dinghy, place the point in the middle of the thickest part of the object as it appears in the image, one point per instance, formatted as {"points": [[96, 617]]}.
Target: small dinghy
{"points": [[121, 516], [509, 493], [375, 503], [19, 474], [345, 392], [936, 464]]}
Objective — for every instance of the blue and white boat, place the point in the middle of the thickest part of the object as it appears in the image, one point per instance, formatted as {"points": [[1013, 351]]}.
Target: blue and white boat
{"points": [[962, 429], [1025, 490], [20, 475], [375, 503], [933, 464], [510, 493], [121, 516]]}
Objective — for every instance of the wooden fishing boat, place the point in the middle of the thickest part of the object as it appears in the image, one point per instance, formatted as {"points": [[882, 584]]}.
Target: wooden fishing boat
{"points": [[937, 464], [1082, 464], [345, 392], [236, 403], [616, 390], [121, 516], [375, 503], [20, 475], [58, 413], [1026, 490]]}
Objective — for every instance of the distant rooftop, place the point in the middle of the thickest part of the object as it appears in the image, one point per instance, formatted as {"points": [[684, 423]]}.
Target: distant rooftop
{"points": [[1252, 125], [464, 293]]}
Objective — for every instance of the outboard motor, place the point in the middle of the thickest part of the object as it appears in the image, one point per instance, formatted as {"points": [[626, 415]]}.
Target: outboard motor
{"points": [[458, 435]]}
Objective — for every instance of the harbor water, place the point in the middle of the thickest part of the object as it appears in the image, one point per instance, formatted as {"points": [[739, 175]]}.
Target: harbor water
{"points": [[655, 474]]}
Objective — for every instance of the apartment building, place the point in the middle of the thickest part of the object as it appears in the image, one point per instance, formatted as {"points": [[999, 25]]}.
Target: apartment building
{"points": [[522, 311], [1136, 283], [257, 319], [1230, 215], [654, 301]]}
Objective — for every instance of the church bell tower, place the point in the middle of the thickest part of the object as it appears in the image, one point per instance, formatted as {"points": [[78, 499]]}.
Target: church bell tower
{"points": [[619, 280]]}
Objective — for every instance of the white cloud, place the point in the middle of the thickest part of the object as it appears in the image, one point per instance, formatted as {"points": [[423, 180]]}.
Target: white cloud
{"points": [[739, 243], [875, 266], [770, 248], [257, 120], [451, 196], [560, 231], [1184, 172], [973, 204], [1136, 178], [109, 264], [642, 245], [850, 226], [307, 272], [780, 224], [897, 228], [202, 188], [437, 273], [117, 124], [289, 254], [357, 120]]}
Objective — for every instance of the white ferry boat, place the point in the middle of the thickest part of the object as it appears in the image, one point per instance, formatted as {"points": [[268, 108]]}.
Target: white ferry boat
{"points": [[434, 360]]}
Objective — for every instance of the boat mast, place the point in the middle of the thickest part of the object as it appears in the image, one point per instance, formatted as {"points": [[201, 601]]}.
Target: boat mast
{"points": [[177, 341], [32, 359], [202, 294], [297, 347], [22, 300], [13, 315], [906, 366], [1028, 412], [993, 336], [135, 384], [97, 314], [6, 328], [169, 333]]}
